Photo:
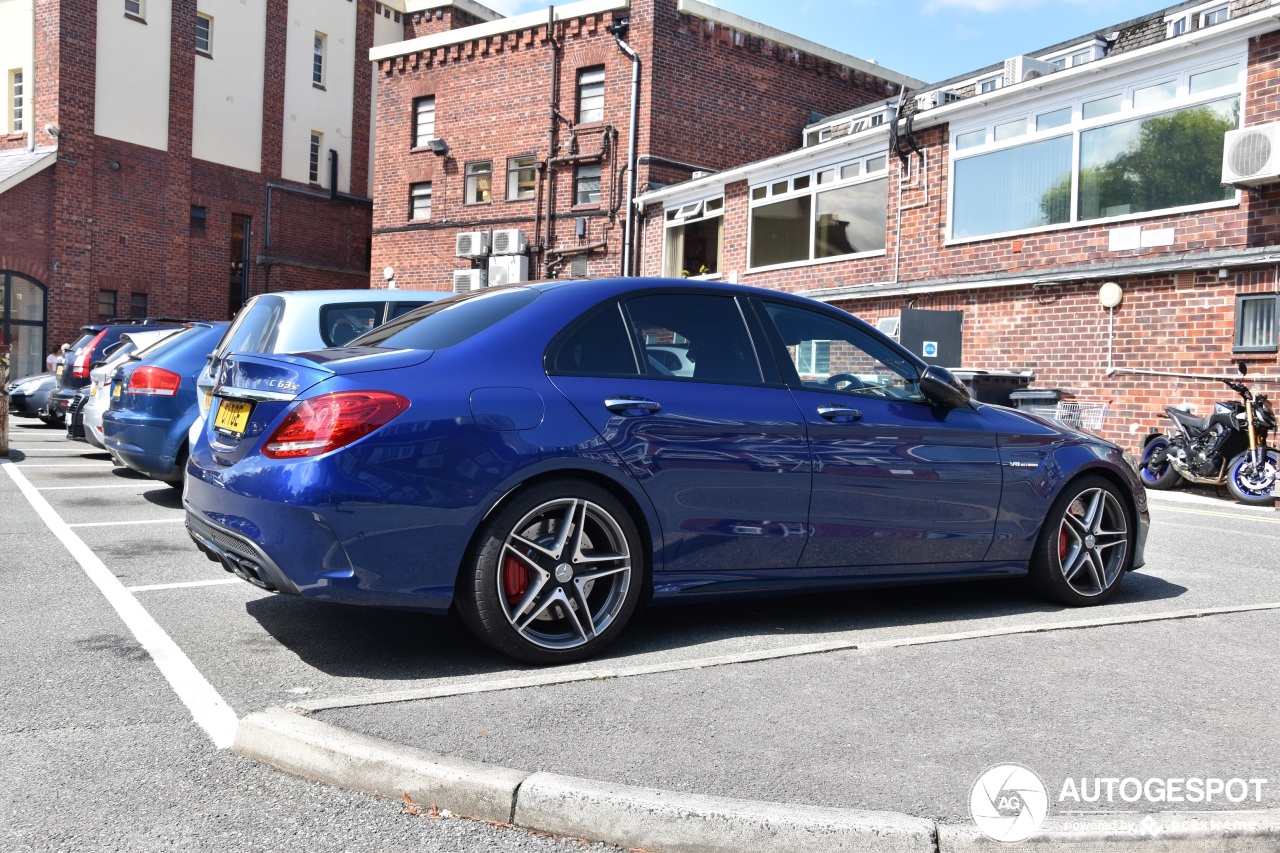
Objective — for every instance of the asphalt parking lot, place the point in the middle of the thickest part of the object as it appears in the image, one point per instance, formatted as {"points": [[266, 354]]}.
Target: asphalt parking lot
{"points": [[891, 700]]}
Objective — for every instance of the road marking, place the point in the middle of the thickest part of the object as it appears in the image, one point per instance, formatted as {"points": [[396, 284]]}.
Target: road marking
{"points": [[553, 677], [132, 485], [211, 713], [186, 585], [118, 523], [65, 465], [1219, 514]]}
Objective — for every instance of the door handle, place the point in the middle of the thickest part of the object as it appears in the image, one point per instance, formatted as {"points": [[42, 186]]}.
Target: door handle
{"points": [[839, 414], [623, 405]]}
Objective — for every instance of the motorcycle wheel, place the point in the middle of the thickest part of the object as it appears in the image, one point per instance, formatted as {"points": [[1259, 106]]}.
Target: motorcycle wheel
{"points": [[1160, 476], [1250, 485]]}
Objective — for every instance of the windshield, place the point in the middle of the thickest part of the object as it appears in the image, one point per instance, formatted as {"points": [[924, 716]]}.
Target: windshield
{"points": [[450, 321]]}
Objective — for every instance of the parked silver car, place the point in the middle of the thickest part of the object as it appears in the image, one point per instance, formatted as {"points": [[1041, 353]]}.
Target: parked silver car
{"points": [[305, 320]]}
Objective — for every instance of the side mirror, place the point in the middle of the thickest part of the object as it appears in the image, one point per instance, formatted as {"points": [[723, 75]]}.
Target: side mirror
{"points": [[941, 387]]}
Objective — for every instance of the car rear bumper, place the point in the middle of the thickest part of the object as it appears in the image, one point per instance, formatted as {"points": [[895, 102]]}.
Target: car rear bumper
{"points": [[143, 443]]}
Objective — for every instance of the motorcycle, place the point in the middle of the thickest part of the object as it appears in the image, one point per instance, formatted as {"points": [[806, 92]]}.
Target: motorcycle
{"points": [[1229, 446]]}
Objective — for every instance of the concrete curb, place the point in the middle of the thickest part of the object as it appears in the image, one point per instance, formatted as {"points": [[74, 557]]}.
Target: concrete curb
{"points": [[674, 822]]}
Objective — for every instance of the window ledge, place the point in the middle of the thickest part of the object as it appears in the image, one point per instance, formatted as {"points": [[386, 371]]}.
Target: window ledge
{"points": [[133, 17], [206, 54], [319, 86], [838, 259]]}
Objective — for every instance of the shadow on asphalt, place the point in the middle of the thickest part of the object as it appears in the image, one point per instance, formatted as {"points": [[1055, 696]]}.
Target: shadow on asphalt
{"points": [[120, 471], [167, 497], [389, 645]]}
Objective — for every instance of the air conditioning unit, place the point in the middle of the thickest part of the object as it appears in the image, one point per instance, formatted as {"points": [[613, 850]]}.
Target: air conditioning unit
{"points": [[472, 244], [507, 269], [509, 241], [465, 281], [1018, 69], [937, 98], [1251, 155]]}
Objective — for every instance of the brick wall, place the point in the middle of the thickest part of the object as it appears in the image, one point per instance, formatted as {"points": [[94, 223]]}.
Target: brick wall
{"points": [[703, 92]]}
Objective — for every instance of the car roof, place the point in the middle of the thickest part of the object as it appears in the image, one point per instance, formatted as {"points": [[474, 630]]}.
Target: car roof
{"points": [[325, 297]]}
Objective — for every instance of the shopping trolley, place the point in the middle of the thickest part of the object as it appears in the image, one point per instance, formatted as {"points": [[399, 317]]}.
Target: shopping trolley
{"points": [[1086, 414]]}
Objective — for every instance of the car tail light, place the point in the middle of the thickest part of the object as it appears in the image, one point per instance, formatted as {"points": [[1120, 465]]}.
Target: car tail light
{"points": [[80, 369], [154, 381], [330, 421]]}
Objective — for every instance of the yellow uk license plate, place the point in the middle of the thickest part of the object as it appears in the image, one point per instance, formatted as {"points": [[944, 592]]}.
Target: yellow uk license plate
{"points": [[116, 388], [233, 416]]}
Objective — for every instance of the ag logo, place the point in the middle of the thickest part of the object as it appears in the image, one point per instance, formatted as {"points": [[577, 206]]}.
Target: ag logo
{"points": [[1008, 803]]}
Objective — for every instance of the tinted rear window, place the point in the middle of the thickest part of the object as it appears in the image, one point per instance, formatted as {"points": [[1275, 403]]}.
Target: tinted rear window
{"points": [[256, 328], [341, 323], [450, 321]]}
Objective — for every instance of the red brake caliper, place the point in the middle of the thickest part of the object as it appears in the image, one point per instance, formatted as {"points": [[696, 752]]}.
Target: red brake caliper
{"points": [[515, 579], [1062, 544]]}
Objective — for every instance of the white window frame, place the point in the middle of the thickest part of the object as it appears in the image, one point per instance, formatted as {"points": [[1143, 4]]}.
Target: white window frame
{"points": [[1078, 54], [989, 84], [1241, 299], [1076, 100], [314, 156], [136, 9], [207, 20], [17, 100], [584, 172], [592, 76], [319, 60], [419, 115], [420, 197], [516, 165], [869, 166], [472, 173], [687, 213], [1189, 20]]}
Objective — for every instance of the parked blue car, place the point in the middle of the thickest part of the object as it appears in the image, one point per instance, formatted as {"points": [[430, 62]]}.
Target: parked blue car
{"points": [[154, 403], [517, 454]]}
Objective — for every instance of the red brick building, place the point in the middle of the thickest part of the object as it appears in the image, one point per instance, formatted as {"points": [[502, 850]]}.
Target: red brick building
{"points": [[174, 158], [1005, 199], [521, 129]]}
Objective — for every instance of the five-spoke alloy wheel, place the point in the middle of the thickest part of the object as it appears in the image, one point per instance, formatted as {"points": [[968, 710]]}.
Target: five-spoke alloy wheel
{"points": [[556, 574], [1085, 546]]}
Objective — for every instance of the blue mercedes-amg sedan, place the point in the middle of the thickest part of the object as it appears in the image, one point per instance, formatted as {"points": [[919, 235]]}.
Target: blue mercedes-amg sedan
{"points": [[518, 454]]}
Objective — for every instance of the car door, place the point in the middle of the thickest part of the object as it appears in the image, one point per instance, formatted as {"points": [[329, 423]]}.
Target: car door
{"points": [[898, 481], [721, 453]]}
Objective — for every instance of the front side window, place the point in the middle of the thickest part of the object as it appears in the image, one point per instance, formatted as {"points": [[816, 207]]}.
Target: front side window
{"points": [[313, 165], [1095, 159], [204, 34], [694, 239], [420, 201], [479, 183], [1256, 323], [591, 95], [832, 356], [17, 101], [424, 121], [522, 177], [832, 212], [586, 184], [317, 60]]}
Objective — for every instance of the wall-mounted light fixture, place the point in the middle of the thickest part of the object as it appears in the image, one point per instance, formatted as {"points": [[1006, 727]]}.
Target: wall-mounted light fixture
{"points": [[1110, 295], [389, 274], [113, 165], [438, 146]]}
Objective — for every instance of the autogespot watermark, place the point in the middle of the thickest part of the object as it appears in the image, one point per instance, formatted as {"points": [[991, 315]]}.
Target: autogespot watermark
{"points": [[1009, 802]]}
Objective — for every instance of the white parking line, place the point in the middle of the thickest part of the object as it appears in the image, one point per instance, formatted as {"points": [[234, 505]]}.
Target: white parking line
{"points": [[132, 485], [211, 713], [118, 523], [551, 677], [98, 464], [186, 585]]}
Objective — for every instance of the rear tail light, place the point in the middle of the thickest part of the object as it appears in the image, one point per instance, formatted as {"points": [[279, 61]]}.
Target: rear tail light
{"points": [[154, 381], [80, 369], [330, 421]]}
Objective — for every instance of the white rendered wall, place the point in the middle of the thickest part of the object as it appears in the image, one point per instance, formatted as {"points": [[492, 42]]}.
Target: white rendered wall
{"points": [[307, 108], [227, 118], [16, 27], [132, 102]]}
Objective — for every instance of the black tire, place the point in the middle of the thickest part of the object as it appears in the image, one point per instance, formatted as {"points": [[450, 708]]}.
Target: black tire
{"points": [[1250, 485], [1085, 546], [547, 556], [1161, 475]]}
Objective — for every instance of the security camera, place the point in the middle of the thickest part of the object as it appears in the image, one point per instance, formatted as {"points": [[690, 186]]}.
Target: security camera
{"points": [[53, 130]]}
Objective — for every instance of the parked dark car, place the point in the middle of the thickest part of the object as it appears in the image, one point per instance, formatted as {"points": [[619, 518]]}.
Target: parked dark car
{"points": [[89, 349], [515, 454], [154, 403], [29, 396]]}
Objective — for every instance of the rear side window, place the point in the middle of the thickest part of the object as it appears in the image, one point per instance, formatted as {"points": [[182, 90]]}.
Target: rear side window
{"points": [[598, 346], [256, 328], [342, 323], [446, 322]]}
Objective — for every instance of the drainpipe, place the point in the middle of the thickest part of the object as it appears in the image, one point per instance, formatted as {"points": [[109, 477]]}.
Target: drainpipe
{"points": [[29, 88], [617, 29]]}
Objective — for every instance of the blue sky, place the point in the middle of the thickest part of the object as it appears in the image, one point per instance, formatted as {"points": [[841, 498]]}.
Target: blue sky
{"points": [[928, 39]]}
